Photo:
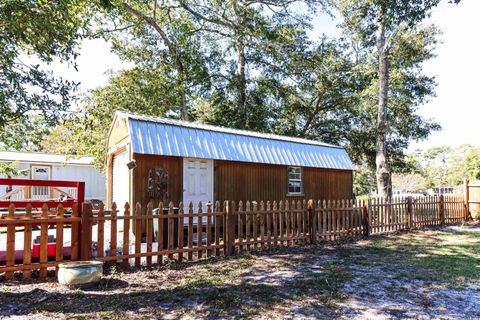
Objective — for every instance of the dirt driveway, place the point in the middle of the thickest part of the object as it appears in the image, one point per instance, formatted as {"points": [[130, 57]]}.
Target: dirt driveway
{"points": [[420, 275]]}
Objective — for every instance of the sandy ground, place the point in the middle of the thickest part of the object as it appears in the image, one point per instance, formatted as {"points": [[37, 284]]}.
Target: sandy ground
{"points": [[431, 274]]}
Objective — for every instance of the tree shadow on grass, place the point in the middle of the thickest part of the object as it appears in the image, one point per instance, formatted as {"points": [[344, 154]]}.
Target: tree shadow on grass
{"points": [[211, 295], [444, 257], [244, 299]]}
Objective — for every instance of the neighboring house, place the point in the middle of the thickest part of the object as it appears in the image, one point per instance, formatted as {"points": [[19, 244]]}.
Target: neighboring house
{"points": [[45, 166], [441, 191], [167, 160]]}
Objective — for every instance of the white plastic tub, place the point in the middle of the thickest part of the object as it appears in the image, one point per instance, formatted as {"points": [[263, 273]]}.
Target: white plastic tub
{"points": [[77, 273]]}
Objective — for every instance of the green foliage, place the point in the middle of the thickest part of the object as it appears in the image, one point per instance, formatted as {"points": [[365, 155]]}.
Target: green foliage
{"points": [[444, 165], [363, 181], [141, 90], [410, 44], [472, 164], [161, 38], [363, 16], [186, 65], [253, 40], [10, 169], [46, 30], [24, 135]]}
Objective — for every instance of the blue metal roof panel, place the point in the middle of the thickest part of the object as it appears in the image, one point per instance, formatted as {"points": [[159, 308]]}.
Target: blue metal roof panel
{"points": [[174, 138]]}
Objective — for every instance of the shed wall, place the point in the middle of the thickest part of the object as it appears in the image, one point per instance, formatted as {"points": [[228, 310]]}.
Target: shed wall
{"points": [[174, 166], [118, 136], [237, 181]]}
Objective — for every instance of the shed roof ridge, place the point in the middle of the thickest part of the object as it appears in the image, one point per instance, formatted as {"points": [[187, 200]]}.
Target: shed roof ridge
{"points": [[209, 127]]}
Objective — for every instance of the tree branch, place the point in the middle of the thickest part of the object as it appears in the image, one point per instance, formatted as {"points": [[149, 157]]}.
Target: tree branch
{"points": [[154, 25], [228, 24], [101, 32]]}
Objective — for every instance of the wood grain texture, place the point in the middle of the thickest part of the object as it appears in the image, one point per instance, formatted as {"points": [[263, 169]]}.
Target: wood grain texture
{"points": [[241, 181], [174, 167]]}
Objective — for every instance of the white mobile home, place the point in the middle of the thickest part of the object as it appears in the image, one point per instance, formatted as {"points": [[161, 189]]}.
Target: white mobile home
{"points": [[43, 166]]}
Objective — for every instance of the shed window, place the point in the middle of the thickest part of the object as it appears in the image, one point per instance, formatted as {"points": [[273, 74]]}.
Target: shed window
{"points": [[295, 180]]}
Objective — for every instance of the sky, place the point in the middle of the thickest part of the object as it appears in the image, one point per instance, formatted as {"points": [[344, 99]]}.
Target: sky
{"points": [[456, 67]]}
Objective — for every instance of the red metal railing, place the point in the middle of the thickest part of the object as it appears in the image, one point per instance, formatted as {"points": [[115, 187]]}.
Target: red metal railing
{"points": [[79, 185]]}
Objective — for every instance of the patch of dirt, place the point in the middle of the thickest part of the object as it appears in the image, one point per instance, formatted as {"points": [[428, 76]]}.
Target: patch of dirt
{"points": [[375, 293]]}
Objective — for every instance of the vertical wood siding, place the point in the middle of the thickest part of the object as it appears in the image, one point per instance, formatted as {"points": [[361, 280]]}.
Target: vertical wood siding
{"points": [[237, 181], [174, 166], [241, 181]]}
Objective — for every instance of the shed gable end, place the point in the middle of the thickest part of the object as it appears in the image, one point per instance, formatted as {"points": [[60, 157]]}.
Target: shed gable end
{"points": [[118, 135]]}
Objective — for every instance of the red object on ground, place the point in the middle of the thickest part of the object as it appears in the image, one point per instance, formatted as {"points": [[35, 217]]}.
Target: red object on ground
{"points": [[51, 250], [36, 204], [19, 254]]}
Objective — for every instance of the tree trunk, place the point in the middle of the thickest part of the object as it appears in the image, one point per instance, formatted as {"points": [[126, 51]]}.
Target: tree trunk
{"points": [[383, 172], [181, 88], [241, 85]]}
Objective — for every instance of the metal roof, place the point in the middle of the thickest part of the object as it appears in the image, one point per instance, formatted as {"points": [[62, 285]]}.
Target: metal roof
{"points": [[151, 135], [38, 157]]}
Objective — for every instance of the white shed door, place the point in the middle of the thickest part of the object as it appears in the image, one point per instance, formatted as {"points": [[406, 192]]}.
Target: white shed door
{"points": [[120, 180], [197, 182]]}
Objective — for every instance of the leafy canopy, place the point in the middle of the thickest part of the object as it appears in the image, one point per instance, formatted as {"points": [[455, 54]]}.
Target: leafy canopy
{"points": [[34, 32], [321, 89]]}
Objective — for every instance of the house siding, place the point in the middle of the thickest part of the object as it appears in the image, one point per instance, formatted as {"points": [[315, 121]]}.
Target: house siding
{"points": [[94, 180]]}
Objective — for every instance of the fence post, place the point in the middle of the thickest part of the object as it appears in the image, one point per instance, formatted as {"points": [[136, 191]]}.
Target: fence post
{"points": [[76, 230], [86, 240], [80, 194], [230, 232], [467, 199], [410, 212], [312, 221], [441, 201], [366, 219]]}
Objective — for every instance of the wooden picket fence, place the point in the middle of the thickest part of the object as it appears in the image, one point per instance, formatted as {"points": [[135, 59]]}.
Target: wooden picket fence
{"points": [[25, 259], [387, 215], [334, 220], [187, 233]]}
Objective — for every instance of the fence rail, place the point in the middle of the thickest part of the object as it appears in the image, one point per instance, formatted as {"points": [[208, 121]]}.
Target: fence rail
{"points": [[188, 233], [24, 253]]}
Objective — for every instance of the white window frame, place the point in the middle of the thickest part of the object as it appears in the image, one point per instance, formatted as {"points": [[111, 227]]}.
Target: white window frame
{"points": [[295, 180]]}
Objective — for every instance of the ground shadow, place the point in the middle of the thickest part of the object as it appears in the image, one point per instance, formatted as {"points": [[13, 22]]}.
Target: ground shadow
{"points": [[310, 278]]}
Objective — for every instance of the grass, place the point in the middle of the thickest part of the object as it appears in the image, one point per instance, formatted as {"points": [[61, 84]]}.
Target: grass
{"points": [[446, 257]]}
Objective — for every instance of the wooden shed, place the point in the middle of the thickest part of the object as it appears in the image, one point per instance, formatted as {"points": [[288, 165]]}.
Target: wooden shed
{"points": [[159, 159]]}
